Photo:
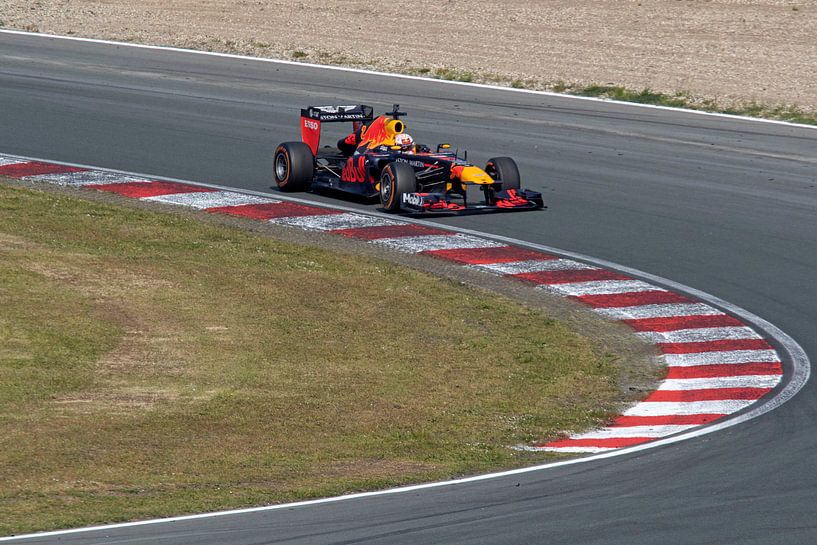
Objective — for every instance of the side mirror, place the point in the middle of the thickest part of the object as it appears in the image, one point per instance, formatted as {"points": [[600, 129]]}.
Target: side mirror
{"points": [[443, 146]]}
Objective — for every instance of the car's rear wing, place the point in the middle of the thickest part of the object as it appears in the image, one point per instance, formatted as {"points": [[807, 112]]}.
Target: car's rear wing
{"points": [[313, 116], [339, 113]]}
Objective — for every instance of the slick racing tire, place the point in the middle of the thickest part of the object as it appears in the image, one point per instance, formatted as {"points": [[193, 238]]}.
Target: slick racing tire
{"points": [[504, 169], [396, 180], [293, 166]]}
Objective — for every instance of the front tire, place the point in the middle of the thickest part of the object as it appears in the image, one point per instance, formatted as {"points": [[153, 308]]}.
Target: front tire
{"points": [[293, 166], [504, 170], [396, 180]]}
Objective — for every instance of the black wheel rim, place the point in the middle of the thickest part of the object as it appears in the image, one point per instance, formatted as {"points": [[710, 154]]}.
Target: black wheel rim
{"points": [[385, 188], [281, 166]]}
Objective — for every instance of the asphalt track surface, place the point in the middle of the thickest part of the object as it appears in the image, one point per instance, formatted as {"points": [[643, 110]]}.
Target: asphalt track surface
{"points": [[723, 205]]}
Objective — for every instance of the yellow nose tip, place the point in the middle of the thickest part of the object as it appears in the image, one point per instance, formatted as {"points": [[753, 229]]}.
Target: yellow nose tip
{"points": [[475, 175]]}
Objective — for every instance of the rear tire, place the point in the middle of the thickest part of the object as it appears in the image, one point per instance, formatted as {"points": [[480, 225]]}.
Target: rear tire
{"points": [[504, 170], [396, 180], [293, 166]]}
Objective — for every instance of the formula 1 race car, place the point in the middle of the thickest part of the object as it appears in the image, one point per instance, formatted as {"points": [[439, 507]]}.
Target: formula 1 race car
{"points": [[375, 159]]}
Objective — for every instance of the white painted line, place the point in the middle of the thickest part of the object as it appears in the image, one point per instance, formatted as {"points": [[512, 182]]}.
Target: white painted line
{"points": [[727, 357], [699, 335], [659, 311], [536, 265], [671, 408], [332, 222], [88, 177], [600, 287], [215, 199], [747, 381], [427, 243], [8, 160], [634, 431], [567, 450]]}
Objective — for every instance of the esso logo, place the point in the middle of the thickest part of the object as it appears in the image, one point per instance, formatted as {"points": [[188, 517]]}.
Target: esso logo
{"points": [[412, 199], [309, 124]]}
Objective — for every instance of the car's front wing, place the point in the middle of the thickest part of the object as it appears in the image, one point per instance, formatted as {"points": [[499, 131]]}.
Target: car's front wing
{"points": [[440, 203]]}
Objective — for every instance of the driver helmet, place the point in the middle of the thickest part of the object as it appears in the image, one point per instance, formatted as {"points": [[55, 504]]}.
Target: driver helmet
{"points": [[405, 141]]}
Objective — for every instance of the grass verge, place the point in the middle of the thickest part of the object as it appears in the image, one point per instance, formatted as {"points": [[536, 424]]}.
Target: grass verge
{"points": [[152, 364], [683, 99]]}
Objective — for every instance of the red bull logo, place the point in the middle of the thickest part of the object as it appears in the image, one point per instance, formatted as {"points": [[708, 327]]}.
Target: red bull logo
{"points": [[381, 133]]}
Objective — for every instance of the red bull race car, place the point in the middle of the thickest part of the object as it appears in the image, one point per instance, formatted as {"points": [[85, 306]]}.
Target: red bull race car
{"points": [[378, 158]]}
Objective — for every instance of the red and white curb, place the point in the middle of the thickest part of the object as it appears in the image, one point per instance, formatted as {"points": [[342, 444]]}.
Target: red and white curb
{"points": [[718, 364]]}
